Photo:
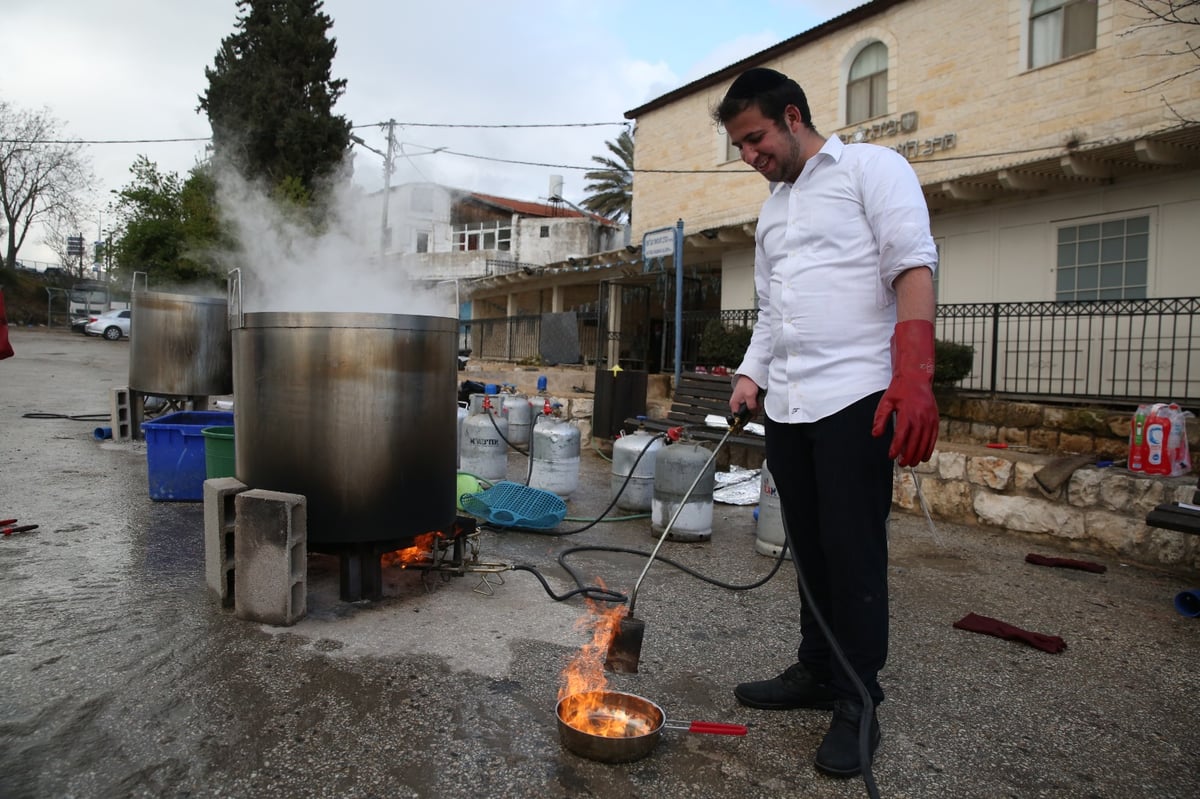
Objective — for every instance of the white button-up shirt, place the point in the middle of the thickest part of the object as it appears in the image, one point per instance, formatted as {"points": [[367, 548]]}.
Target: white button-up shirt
{"points": [[828, 248]]}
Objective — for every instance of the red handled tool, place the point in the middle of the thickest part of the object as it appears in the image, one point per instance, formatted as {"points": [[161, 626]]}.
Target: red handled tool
{"points": [[9, 526]]}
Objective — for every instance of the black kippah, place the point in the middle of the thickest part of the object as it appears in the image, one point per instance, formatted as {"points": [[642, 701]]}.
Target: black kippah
{"points": [[753, 82]]}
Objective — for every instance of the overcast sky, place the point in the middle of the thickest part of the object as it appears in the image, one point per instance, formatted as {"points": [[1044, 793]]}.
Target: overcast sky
{"points": [[133, 70]]}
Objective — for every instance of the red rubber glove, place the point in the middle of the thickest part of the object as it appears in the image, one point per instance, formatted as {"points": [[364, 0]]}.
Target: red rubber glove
{"points": [[910, 394]]}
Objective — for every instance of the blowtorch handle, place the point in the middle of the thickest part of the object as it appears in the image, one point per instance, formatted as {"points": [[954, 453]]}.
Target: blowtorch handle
{"points": [[738, 421], [707, 727]]}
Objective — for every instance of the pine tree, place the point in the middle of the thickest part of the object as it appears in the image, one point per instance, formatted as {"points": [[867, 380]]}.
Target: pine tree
{"points": [[270, 95]]}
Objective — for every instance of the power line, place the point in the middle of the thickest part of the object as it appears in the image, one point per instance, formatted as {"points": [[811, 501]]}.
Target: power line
{"points": [[473, 125], [519, 162], [103, 141], [592, 168], [598, 167]]}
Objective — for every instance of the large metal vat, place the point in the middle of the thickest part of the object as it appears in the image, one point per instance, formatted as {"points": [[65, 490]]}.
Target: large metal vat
{"points": [[179, 345], [354, 411]]}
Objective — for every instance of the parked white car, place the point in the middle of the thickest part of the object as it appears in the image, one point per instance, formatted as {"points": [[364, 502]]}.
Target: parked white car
{"points": [[110, 324]]}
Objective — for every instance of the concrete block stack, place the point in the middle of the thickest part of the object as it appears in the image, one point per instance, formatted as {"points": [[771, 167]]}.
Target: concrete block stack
{"points": [[219, 534], [121, 415], [270, 575]]}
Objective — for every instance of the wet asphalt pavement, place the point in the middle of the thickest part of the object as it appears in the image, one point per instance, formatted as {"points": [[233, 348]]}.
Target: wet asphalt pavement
{"points": [[121, 675]]}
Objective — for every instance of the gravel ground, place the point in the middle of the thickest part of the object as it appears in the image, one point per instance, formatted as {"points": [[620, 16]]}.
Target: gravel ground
{"points": [[124, 677]]}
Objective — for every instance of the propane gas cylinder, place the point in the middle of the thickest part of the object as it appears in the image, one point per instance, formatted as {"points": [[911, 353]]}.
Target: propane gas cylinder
{"points": [[520, 416], [675, 467], [463, 412], [484, 453], [555, 453], [770, 535], [638, 494], [539, 405]]}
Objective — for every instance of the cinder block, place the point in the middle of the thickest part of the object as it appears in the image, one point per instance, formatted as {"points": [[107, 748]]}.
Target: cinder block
{"points": [[270, 558], [219, 535], [120, 414]]}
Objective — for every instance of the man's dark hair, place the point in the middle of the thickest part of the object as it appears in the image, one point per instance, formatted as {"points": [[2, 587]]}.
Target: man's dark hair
{"points": [[770, 91]]}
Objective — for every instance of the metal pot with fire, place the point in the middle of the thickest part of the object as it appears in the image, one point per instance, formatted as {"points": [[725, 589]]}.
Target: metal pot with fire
{"points": [[612, 726]]}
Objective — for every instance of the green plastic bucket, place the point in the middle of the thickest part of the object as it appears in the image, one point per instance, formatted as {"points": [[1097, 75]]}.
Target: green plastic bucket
{"points": [[218, 452], [467, 484]]}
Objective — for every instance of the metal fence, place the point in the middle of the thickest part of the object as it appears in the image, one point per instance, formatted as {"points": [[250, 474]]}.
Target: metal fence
{"points": [[1108, 351], [518, 338], [1124, 351]]}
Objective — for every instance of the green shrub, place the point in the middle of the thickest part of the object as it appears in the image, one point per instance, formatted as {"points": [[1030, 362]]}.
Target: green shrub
{"points": [[725, 346], [951, 362], [722, 346]]}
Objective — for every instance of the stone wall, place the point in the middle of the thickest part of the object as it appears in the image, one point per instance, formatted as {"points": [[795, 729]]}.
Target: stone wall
{"points": [[1099, 509], [1044, 427]]}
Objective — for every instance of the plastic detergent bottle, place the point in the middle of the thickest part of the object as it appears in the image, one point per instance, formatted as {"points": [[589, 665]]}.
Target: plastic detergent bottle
{"points": [[1137, 441], [1158, 430], [1181, 461]]}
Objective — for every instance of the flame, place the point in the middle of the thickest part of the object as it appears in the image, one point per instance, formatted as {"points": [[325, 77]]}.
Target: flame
{"points": [[584, 680], [422, 546]]}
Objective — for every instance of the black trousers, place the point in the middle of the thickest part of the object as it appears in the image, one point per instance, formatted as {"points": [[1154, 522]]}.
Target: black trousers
{"points": [[835, 487]]}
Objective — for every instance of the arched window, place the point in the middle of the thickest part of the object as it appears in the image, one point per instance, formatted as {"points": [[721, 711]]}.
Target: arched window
{"points": [[866, 87]]}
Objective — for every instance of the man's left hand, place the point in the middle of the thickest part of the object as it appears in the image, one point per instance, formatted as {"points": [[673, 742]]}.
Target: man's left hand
{"points": [[910, 395]]}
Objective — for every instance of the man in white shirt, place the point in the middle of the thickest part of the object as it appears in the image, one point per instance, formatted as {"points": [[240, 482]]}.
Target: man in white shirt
{"points": [[843, 349]]}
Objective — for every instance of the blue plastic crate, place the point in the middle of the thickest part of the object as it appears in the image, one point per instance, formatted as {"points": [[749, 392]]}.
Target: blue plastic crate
{"points": [[509, 504], [175, 453]]}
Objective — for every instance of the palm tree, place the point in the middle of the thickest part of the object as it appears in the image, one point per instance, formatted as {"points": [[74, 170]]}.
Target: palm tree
{"points": [[610, 193]]}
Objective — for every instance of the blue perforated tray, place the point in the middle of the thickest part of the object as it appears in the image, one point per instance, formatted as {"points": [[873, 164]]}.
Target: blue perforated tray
{"points": [[509, 504]]}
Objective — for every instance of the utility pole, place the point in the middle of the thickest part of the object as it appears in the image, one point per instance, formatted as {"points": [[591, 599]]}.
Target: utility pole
{"points": [[387, 187]]}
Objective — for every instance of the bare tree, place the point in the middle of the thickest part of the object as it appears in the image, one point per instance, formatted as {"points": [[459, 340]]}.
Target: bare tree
{"points": [[57, 229], [1166, 13], [42, 177]]}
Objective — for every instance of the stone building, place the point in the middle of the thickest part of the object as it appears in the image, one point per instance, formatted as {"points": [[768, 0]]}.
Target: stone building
{"points": [[1057, 143]]}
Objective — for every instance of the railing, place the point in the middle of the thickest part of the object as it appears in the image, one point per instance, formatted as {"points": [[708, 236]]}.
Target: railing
{"points": [[1108, 351], [518, 338], [498, 266], [1123, 351]]}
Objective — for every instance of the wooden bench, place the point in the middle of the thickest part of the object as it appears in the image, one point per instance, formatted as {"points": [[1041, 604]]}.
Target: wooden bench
{"points": [[696, 397], [1173, 516]]}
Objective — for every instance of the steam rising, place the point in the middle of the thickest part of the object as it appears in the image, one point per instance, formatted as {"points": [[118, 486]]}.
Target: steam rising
{"points": [[287, 266]]}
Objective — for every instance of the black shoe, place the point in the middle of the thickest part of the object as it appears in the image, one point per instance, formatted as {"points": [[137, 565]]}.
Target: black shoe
{"points": [[795, 688], [839, 754]]}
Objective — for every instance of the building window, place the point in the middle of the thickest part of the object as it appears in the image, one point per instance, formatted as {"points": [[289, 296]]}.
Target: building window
{"points": [[1103, 260], [544, 232], [1059, 29], [422, 241], [731, 153], [866, 85], [483, 236]]}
